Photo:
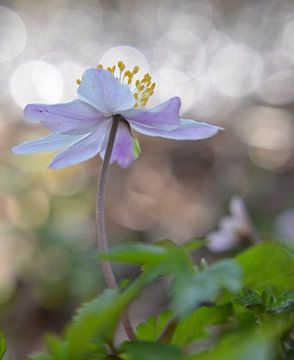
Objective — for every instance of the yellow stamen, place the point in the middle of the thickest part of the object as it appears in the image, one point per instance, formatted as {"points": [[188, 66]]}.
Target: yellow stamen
{"points": [[144, 101], [78, 81], [136, 69], [121, 66], [142, 88], [128, 74], [111, 69], [146, 78]]}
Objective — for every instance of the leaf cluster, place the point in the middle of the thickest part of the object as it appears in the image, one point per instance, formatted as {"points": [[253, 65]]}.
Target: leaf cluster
{"points": [[237, 308]]}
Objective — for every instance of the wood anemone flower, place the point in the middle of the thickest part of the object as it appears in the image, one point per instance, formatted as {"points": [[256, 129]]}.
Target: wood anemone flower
{"points": [[80, 129]]}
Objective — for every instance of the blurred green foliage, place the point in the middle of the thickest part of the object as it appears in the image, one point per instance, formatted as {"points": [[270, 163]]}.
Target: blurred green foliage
{"points": [[239, 308], [2, 345]]}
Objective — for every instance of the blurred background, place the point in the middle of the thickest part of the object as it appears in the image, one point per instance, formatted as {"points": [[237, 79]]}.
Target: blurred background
{"points": [[232, 64]]}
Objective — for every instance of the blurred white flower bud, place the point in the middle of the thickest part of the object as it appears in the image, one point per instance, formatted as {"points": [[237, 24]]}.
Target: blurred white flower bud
{"points": [[284, 226], [233, 229]]}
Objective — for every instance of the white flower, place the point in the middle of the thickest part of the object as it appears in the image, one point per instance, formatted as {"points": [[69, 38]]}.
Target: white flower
{"points": [[233, 229]]}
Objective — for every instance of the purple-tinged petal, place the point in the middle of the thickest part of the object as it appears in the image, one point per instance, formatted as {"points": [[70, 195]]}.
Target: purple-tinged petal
{"points": [[164, 116], [188, 130], [72, 117], [83, 150], [100, 89], [222, 240], [49, 143], [123, 149]]}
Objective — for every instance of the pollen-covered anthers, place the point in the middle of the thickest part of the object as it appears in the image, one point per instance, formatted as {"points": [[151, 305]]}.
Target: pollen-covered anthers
{"points": [[111, 69], [128, 75], [144, 90]]}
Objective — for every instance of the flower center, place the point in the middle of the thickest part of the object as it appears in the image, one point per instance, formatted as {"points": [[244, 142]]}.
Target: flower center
{"points": [[142, 89]]}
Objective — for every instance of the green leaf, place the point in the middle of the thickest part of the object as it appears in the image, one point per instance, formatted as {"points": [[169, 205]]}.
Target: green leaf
{"points": [[164, 253], [193, 244], [248, 298], [284, 302], [152, 328], [191, 291], [143, 350], [258, 341], [266, 265], [136, 254], [2, 345], [196, 325], [188, 289], [136, 147], [95, 323], [40, 357], [241, 346], [56, 347], [164, 258], [267, 300]]}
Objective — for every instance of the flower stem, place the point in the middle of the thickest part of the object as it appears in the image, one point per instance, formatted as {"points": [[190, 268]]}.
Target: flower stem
{"points": [[106, 267]]}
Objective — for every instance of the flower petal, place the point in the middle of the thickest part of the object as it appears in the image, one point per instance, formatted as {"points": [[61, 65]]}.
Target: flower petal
{"points": [[100, 89], [51, 142], [222, 240], [123, 149], [163, 116], [188, 130], [75, 116], [83, 150]]}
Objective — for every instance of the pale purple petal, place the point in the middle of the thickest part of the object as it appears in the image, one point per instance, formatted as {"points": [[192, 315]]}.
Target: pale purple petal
{"points": [[100, 89], [75, 116], [188, 130], [123, 151], [51, 142], [164, 116], [82, 150], [222, 240]]}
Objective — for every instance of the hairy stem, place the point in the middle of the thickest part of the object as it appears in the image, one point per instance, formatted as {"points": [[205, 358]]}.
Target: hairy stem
{"points": [[106, 267]]}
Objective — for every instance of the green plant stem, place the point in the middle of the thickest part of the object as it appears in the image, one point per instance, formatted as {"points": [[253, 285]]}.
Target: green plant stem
{"points": [[106, 267]]}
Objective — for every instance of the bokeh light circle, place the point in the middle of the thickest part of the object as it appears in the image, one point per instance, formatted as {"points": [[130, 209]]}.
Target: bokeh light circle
{"points": [[70, 72], [13, 34], [36, 81], [216, 41], [277, 89], [172, 82], [268, 133], [129, 55], [74, 25], [287, 38], [198, 25], [236, 70], [169, 11], [180, 49], [70, 69]]}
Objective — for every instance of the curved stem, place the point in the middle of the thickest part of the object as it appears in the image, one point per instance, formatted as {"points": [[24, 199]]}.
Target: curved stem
{"points": [[100, 215], [106, 267]]}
